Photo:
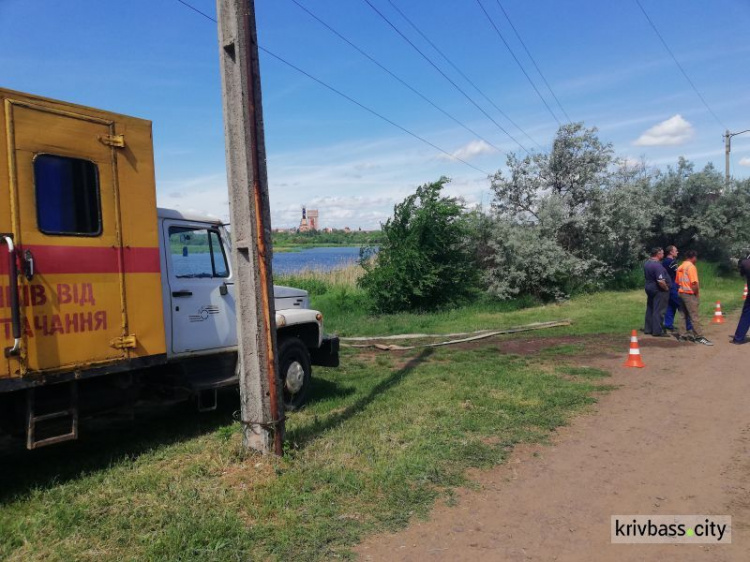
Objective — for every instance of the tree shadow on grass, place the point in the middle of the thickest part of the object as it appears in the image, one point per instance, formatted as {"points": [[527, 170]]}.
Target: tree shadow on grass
{"points": [[105, 442], [304, 435]]}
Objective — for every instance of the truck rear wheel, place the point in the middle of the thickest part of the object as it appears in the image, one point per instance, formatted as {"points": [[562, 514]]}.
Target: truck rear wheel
{"points": [[295, 369]]}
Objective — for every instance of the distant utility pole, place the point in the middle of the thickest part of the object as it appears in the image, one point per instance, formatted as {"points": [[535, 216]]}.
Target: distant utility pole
{"points": [[262, 406], [727, 149]]}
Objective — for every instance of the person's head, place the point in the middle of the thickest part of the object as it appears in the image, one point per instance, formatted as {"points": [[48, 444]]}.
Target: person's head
{"points": [[691, 256], [671, 251], [657, 253]]}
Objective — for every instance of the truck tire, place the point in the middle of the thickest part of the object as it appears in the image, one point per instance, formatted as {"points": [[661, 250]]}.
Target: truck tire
{"points": [[295, 369]]}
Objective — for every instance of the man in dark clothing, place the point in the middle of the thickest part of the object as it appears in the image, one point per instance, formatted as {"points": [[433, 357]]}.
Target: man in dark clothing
{"points": [[657, 293], [670, 264], [744, 323]]}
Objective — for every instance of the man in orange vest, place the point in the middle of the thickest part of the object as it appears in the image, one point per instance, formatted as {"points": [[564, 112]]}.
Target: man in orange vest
{"points": [[689, 291]]}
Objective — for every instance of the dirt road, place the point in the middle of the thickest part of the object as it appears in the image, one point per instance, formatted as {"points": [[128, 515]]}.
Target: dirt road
{"points": [[674, 439]]}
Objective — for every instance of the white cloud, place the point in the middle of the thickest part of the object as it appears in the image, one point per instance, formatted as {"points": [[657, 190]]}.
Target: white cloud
{"points": [[745, 161], [672, 132], [631, 164], [205, 195], [472, 150], [354, 184], [363, 166]]}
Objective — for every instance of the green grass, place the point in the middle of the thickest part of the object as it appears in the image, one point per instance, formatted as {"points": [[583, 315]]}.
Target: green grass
{"points": [[381, 440], [585, 372], [606, 312]]}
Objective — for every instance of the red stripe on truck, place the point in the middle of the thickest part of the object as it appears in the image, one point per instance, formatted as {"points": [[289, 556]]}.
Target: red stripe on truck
{"points": [[52, 260]]}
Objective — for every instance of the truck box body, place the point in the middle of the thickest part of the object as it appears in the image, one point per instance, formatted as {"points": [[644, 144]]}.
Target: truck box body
{"points": [[78, 199]]}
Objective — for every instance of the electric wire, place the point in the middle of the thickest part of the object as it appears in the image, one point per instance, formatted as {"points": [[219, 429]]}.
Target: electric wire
{"points": [[343, 95], [396, 77], [518, 62], [539, 70], [444, 75], [674, 58], [352, 100], [205, 15], [457, 69]]}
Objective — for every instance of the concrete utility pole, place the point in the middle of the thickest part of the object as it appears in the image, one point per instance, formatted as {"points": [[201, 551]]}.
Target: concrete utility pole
{"points": [[727, 149], [262, 406]]}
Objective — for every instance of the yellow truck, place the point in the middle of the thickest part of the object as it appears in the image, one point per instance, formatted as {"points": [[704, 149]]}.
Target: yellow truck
{"points": [[105, 296]]}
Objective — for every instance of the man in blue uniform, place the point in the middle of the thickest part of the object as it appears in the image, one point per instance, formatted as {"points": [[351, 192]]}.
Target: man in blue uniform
{"points": [[744, 323], [657, 293], [670, 264]]}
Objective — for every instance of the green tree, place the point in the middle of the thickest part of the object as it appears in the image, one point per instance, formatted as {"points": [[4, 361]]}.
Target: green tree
{"points": [[566, 220], [695, 210], [426, 260]]}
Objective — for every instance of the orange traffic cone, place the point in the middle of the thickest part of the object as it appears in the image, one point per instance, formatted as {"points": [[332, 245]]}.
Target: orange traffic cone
{"points": [[744, 293], [718, 316], [634, 357]]}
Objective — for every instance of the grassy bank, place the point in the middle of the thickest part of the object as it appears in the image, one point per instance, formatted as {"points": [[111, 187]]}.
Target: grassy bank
{"points": [[346, 307], [383, 437]]}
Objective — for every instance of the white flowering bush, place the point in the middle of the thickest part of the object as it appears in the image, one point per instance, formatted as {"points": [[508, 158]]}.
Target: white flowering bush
{"points": [[577, 218], [564, 221]]}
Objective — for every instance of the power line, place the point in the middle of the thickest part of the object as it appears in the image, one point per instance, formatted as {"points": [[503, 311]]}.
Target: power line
{"points": [[450, 62], [663, 42], [518, 62], [205, 15], [352, 100], [343, 95], [551, 91], [444, 75], [382, 67]]}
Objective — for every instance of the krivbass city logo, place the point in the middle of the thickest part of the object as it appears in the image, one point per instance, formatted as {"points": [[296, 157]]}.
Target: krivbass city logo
{"points": [[671, 529]]}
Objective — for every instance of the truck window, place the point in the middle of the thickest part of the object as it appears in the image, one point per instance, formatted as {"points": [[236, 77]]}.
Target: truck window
{"points": [[67, 196], [196, 253], [218, 257]]}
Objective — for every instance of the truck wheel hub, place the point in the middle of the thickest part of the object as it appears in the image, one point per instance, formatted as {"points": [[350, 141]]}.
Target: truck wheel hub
{"points": [[295, 377]]}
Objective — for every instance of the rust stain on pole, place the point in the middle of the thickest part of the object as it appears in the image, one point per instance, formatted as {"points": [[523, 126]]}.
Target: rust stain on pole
{"points": [[249, 31]]}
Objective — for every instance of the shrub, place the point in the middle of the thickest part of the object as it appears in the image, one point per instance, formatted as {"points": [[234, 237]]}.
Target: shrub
{"points": [[524, 262], [425, 260]]}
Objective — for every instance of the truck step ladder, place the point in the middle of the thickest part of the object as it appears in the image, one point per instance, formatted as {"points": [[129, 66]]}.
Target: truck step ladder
{"points": [[205, 376], [207, 399], [50, 427]]}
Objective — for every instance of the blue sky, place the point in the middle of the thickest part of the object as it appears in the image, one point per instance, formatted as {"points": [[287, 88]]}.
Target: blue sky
{"points": [[158, 59]]}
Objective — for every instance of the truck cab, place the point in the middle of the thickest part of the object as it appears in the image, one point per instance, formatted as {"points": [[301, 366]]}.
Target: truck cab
{"points": [[198, 293]]}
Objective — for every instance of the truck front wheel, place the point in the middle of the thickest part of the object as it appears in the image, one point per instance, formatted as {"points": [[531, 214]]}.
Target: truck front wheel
{"points": [[294, 365]]}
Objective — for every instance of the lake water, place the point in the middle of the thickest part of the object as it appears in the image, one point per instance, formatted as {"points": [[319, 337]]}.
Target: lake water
{"points": [[321, 259], [198, 264]]}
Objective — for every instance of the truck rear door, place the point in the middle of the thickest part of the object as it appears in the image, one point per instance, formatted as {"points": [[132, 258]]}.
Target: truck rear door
{"points": [[66, 224], [201, 287]]}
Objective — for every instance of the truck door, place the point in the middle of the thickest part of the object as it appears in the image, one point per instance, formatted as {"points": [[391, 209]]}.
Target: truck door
{"points": [[201, 288], [66, 225]]}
